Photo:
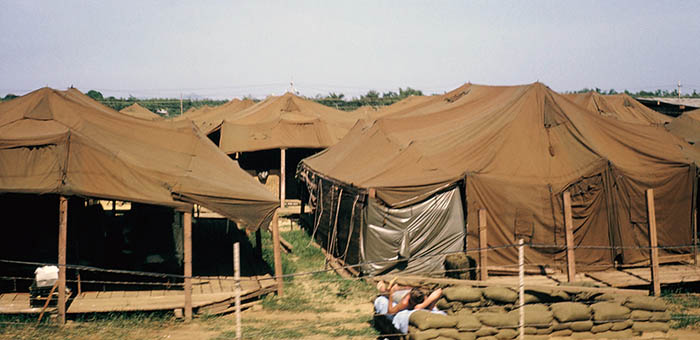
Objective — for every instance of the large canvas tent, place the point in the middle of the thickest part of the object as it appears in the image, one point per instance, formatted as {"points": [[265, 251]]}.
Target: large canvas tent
{"points": [[687, 126], [512, 150], [139, 111], [619, 106], [208, 119], [265, 132], [65, 143]]}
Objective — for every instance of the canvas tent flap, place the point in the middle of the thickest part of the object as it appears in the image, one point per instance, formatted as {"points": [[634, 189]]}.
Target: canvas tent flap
{"points": [[88, 149], [415, 239]]}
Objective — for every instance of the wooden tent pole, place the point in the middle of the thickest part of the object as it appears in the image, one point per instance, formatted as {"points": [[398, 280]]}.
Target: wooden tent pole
{"points": [[187, 227], [283, 177], [570, 253], [237, 280], [62, 240], [483, 245], [695, 236], [653, 243], [277, 253]]}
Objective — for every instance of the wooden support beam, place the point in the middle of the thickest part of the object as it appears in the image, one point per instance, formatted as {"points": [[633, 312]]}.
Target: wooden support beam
{"points": [[283, 177], [258, 244], [483, 245], [237, 279], [62, 241], [570, 246], [653, 243], [695, 236], [187, 226], [275, 228]]}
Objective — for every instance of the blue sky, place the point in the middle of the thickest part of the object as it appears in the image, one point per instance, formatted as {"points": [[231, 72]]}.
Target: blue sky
{"points": [[227, 49]]}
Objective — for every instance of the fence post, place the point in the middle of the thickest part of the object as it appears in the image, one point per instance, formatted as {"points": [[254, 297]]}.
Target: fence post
{"points": [[569, 225], [237, 281], [653, 243], [62, 240], [483, 245], [283, 177], [187, 228], [521, 288]]}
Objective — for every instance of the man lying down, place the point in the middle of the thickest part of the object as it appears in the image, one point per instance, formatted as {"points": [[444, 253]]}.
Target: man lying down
{"points": [[396, 303]]}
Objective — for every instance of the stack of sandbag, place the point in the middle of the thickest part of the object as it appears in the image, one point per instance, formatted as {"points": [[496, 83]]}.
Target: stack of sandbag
{"points": [[460, 266], [492, 314]]}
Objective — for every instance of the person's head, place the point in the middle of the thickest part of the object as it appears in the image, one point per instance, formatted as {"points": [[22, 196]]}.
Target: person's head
{"points": [[415, 297]]}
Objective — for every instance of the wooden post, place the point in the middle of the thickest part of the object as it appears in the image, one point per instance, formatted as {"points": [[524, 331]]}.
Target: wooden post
{"points": [[283, 176], [62, 240], [483, 245], [258, 244], [187, 226], [277, 253], [521, 288], [372, 193], [695, 236], [237, 280], [653, 243], [570, 246]]}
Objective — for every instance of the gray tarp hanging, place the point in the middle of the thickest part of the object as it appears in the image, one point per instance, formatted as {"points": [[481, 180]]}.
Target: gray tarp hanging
{"points": [[421, 233]]}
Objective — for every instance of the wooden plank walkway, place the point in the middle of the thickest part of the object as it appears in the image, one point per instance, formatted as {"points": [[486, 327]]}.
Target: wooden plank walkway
{"points": [[627, 277], [219, 291]]}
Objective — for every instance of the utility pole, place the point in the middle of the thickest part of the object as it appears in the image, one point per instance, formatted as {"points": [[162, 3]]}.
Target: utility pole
{"points": [[180, 103]]}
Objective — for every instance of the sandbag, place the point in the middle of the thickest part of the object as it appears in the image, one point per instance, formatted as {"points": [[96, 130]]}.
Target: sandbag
{"points": [[462, 294], [545, 331], [467, 322], [423, 335], [537, 316], [466, 336], [648, 326], [570, 311], [440, 337], [443, 304], [506, 334], [535, 337], [530, 330], [491, 337], [609, 311], [603, 327], [449, 332], [660, 316], [618, 326], [499, 320], [640, 315], [485, 331], [650, 303], [562, 333], [500, 294], [626, 334], [582, 335], [426, 320], [581, 326], [493, 309]]}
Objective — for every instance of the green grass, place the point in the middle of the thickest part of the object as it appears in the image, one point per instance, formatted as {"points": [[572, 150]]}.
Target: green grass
{"points": [[682, 320]]}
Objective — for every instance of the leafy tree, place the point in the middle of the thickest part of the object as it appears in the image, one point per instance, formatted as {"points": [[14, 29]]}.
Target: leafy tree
{"points": [[96, 95], [10, 96]]}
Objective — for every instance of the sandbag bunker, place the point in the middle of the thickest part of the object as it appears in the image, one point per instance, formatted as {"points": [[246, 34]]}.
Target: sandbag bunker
{"points": [[492, 313]]}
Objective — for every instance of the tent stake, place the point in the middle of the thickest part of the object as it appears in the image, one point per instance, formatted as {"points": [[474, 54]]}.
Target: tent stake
{"points": [[62, 240], [653, 243], [483, 244], [570, 255], [188, 264]]}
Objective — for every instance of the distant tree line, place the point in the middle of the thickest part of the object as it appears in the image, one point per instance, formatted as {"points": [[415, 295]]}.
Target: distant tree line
{"points": [[372, 98], [657, 93], [172, 105]]}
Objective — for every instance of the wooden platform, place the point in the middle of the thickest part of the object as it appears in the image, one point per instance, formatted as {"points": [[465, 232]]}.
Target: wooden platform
{"points": [[209, 295], [622, 278]]}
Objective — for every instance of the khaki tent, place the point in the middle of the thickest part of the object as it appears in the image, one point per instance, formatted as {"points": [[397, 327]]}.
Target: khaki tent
{"points": [[139, 111], [687, 126], [65, 143], [512, 150], [619, 106], [287, 121], [209, 118]]}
